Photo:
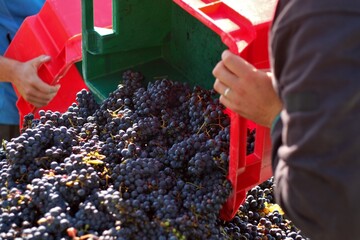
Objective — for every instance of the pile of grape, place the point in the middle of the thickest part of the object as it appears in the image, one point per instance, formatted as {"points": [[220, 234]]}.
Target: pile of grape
{"points": [[147, 163], [260, 218]]}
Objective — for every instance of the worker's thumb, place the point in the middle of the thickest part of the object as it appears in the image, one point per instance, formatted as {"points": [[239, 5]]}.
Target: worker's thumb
{"points": [[55, 88], [38, 61], [46, 88]]}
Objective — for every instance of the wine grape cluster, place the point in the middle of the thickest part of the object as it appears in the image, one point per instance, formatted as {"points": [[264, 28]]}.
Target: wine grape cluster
{"points": [[149, 162], [260, 218]]}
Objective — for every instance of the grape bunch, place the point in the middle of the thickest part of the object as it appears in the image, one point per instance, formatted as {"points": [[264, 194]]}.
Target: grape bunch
{"points": [[259, 217], [149, 162]]}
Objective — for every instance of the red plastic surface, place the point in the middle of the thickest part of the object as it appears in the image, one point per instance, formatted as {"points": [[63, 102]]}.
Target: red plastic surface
{"points": [[56, 31], [250, 41]]}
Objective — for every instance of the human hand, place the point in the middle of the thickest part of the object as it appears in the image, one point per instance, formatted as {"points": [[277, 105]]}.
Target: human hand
{"points": [[246, 90], [30, 86]]}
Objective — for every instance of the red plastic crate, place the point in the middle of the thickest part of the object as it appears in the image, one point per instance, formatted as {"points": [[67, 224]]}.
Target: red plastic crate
{"points": [[249, 39], [56, 31]]}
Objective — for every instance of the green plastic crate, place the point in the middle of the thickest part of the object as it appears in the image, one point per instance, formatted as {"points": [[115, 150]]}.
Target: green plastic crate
{"points": [[157, 38]]}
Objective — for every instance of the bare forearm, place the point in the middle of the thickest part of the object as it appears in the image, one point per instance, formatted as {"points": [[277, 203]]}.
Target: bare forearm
{"points": [[7, 69]]}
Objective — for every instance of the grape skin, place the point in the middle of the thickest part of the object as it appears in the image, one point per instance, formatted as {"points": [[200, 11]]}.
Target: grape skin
{"points": [[147, 163]]}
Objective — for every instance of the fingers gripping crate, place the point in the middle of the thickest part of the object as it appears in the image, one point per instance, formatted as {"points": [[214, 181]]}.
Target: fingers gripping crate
{"points": [[55, 31], [183, 40]]}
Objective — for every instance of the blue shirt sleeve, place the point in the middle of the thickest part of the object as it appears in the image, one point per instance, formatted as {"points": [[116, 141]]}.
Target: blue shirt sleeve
{"points": [[12, 14]]}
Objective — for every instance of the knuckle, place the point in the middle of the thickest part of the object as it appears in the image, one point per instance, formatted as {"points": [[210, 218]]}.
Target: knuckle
{"points": [[225, 56], [27, 93], [219, 69], [216, 85], [43, 103], [31, 82], [222, 100], [215, 71], [36, 104]]}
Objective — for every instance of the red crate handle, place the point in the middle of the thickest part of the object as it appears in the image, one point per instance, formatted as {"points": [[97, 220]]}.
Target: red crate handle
{"points": [[235, 30]]}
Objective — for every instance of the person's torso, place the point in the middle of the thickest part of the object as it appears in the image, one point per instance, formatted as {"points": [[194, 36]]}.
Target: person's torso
{"points": [[289, 13]]}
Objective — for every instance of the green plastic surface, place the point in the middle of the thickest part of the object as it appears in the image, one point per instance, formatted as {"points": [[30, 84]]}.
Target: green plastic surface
{"points": [[157, 38]]}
